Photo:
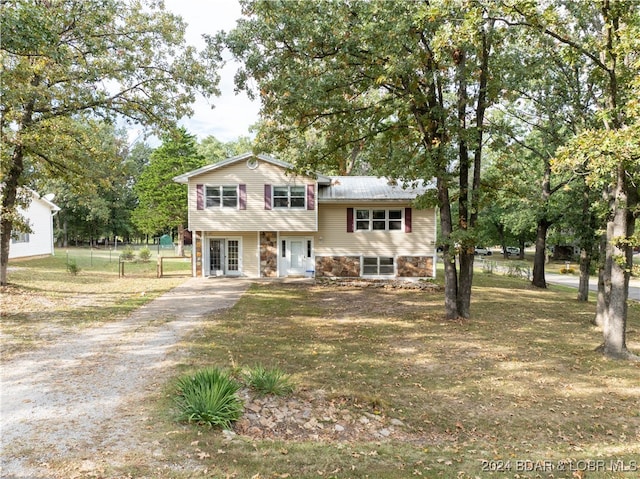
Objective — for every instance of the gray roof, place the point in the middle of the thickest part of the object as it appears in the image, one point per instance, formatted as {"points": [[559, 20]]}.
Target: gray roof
{"points": [[367, 188]]}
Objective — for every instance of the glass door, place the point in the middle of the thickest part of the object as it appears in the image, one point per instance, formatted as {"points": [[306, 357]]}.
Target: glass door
{"points": [[233, 257], [216, 257]]}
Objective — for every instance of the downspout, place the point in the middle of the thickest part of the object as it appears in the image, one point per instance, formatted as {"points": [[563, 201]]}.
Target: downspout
{"points": [[53, 241]]}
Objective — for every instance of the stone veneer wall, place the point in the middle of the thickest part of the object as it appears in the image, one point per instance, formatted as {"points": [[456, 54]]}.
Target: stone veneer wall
{"points": [[268, 254], [414, 266], [338, 266]]}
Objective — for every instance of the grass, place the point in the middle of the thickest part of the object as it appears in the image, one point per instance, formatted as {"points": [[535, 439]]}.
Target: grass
{"points": [[519, 382], [44, 300]]}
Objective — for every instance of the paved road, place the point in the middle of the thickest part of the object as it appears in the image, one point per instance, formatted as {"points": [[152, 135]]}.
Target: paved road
{"points": [[573, 280]]}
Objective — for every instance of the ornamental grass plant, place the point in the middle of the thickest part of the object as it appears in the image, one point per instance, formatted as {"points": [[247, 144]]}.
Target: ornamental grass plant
{"points": [[267, 381], [208, 397]]}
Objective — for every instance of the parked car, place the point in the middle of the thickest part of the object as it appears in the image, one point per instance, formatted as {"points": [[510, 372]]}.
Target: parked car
{"points": [[482, 251], [512, 250]]}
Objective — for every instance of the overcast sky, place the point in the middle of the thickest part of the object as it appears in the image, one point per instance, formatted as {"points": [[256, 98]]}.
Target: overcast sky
{"points": [[233, 114]]}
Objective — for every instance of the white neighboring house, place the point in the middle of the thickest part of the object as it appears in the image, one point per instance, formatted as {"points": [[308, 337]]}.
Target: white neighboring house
{"points": [[39, 242]]}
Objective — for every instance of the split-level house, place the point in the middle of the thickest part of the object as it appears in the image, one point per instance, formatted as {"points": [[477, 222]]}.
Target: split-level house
{"points": [[251, 216]]}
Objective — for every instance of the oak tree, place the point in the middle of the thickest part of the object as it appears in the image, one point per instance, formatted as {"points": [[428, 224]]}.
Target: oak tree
{"points": [[407, 82], [605, 35]]}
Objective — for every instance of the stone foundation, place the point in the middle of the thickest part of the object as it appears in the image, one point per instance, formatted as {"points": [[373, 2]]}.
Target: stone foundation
{"points": [[268, 254], [414, 266], [337, 266]]}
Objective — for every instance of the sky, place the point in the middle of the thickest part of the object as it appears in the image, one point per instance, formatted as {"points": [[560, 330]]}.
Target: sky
{"points": [[233, 113]]}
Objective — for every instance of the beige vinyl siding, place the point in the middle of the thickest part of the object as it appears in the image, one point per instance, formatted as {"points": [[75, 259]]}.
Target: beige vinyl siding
{"points": [[332, 238], [250, 260], [255, 217]]}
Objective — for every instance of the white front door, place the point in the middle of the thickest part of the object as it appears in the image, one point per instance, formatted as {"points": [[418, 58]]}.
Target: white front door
{"points": [[296, 255]]}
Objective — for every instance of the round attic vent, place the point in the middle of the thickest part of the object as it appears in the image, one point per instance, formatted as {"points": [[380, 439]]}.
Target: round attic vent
{"points": [[252, 163]]}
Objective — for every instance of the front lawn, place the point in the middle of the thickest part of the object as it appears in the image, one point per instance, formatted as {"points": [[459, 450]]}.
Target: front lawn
{"points": [[385, 388], [44, 300]]}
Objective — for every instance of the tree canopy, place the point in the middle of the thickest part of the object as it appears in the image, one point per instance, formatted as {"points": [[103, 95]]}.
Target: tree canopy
{"points": [[162, 203], [410, 87], [406, 84], [68, 63]]}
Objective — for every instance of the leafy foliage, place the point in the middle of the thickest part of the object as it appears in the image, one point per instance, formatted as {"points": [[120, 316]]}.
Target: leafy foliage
{"points": [[214, 150], [67, 66], [72, 267], [269, 381], [376, 86], [162, 202], [127, 254], [144, 254], [208, 397]]}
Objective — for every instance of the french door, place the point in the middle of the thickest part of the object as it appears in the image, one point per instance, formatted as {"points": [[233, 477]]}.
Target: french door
{"points": [[224, 257]]}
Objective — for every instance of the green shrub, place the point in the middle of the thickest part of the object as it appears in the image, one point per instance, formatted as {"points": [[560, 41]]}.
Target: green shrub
{"points": [[144, 254], [567, 270], [72, 267], [269, 381], [208, 397], [127, 254]]}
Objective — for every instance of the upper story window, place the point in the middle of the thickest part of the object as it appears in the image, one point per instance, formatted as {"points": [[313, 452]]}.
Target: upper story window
{"points": [[221, 196], [378, 220], [289, 196]]}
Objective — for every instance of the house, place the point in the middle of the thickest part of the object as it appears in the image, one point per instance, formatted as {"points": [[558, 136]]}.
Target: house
{"points": [[39, 215], [251, 216]]}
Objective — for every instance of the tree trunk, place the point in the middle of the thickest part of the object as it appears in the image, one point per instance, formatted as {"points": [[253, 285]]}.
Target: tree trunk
{"points": [[619, 261], [585, 264], [539, 259], [180, 251], [587, 243], [448, 253], [465, 279], [465, 282], [65, 234], [604, 279], [9, 194], [603, 298]]}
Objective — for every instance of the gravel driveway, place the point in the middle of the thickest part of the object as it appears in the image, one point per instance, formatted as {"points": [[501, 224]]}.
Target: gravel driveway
{"points": [[83, 396]]}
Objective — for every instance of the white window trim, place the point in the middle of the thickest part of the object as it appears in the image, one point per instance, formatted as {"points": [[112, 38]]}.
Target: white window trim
{"points": [[19, 237], [370, 220], [288, 207], [378, 274], [221, 196]]}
